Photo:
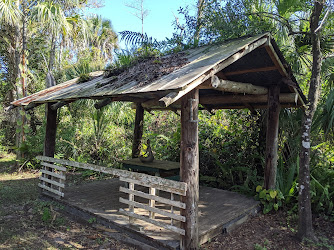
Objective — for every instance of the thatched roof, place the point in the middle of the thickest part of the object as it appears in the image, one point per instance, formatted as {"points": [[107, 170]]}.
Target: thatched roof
{"points": [[160, 83]]}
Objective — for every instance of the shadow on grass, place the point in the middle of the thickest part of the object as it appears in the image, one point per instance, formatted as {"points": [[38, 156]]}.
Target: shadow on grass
{"points": [[7, 163], [17, 192]]}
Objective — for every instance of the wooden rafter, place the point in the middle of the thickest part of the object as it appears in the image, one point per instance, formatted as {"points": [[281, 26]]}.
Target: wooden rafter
{"points": [[245, 71], [280, 67]]}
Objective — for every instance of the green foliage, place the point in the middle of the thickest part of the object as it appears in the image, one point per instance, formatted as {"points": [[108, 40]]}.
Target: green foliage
{"points": [[324, 117], [287, 180], [322, 179], [91, 220], [231, 150], [83, 77], [48, 213], [270, 199]]}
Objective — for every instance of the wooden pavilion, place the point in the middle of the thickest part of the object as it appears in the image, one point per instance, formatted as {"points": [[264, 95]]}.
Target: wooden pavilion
{"points": [[244, 73]]}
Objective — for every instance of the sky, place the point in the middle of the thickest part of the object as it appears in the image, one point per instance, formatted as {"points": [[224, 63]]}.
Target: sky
{"points": [[158, 23]]}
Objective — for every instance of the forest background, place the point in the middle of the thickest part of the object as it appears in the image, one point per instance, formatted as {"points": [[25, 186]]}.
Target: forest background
{"points": [[43, 43]]}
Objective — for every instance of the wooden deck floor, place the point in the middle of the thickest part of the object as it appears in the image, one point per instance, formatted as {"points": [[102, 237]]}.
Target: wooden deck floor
{"points": [[219, 210]]}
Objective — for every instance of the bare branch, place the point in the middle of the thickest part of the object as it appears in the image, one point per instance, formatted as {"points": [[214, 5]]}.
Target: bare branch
{"points": [[322, 22]]}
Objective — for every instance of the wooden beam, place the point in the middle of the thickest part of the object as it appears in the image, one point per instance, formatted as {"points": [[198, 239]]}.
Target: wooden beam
{"points": [[50, 133], [32, 106], [59, 104], [254, 70], [103, 103], [10, 107], [272, 137], [234, 99], [157, 104], [274, 57], [189, 168], [280, 67], [138, 130], [243, 106], [237, 87]]}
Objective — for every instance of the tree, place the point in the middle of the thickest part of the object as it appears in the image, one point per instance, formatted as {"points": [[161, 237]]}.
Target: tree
{"points": [[305, 229], [51, 16], [140, 11], [9, 12], [102, 36]]}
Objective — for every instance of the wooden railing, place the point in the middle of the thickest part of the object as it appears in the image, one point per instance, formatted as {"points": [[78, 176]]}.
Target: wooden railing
{"points": [[53, 180], [167, 186], [52, 177]]}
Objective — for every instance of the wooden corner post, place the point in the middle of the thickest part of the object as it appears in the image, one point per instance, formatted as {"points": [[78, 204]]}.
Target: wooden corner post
{"points": [[50, 132], [189, 168], [138, 130], [272, 137]]}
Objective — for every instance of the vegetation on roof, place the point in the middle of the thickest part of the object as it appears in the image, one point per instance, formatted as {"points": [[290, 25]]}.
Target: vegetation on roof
{"points": [[145, 70]]}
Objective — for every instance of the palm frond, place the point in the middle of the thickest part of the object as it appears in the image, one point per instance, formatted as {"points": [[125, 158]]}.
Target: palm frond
{"points": [[324, 117], [9, 12], [142, 40]]}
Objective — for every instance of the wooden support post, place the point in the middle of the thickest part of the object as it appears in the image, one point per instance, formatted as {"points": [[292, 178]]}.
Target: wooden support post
{"points": [[138, 130], [50, 133], [189, 168], [272, 137]]}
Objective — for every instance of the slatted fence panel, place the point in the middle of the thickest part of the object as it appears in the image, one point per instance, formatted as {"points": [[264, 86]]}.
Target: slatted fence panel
{"points": [[155, 204], [52, 177]]}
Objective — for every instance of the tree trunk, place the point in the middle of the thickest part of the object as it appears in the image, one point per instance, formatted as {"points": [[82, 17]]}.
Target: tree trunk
{"points": [[305, 228], [52, 53], [16, 76], [24, 70], [200, 7]]}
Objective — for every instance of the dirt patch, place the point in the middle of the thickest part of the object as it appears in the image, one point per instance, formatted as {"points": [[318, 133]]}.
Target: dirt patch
{"points": [[273, 231]]}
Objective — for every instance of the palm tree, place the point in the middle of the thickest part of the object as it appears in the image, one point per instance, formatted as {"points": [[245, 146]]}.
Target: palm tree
{"points": [[54, 20], [102, 36], [9, 12]]}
